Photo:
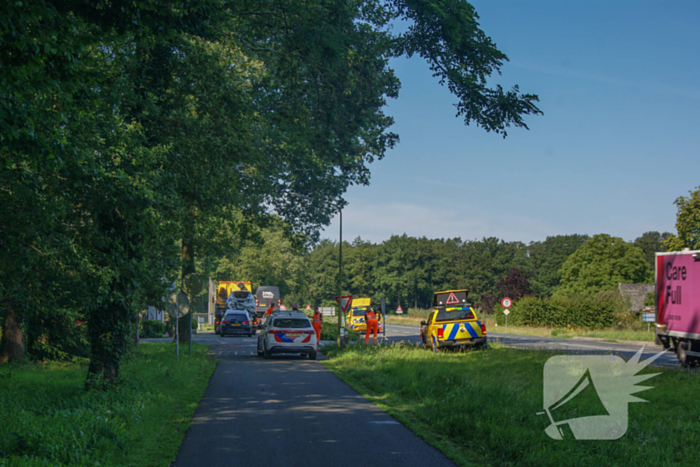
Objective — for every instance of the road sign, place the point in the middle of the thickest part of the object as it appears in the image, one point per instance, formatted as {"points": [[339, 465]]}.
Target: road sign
{"points": [[649, 317], [308, 306], [399, 310], [507, 303], [451, 300], [506, 312], [178, 305], [345, 304], [283, 308]]}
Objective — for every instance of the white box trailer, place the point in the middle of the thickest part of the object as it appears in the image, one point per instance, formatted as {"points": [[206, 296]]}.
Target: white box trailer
{"points": [[678, 303]]}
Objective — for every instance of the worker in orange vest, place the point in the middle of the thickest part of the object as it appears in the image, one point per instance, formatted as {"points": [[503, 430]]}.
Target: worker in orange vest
{"points": [[372, 325], [317, 323]]}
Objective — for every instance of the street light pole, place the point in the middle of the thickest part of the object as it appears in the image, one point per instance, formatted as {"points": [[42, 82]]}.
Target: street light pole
{"points": [[341, 314]]}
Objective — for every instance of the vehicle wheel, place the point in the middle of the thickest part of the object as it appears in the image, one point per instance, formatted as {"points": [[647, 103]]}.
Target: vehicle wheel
{"points": [[312, 355], [266, 354], [683, 357], [221, 334], [435, 348], [250, 335]]}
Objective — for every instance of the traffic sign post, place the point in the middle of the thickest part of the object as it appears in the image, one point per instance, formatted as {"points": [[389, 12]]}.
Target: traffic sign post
{"points": [[344, 303], [649, 316], [383, 305], [506, 303], [178, 306]]}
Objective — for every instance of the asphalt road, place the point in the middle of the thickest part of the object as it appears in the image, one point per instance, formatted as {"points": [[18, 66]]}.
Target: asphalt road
{"points": [[291, 411]]}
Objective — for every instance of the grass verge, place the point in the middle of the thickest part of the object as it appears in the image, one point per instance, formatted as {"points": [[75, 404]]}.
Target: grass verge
{"points": [[47, 418], [480, 407]]}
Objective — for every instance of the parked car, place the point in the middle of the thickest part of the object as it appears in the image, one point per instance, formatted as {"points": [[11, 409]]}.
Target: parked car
{"points": [[453, 323], [237, 322], [287, 332]]}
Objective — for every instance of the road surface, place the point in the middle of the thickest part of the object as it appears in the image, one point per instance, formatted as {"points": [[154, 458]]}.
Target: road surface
{"points": [[291, 411]]}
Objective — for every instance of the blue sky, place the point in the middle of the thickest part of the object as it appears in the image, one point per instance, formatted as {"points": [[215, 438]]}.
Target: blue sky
{"points": [[619, 84]]}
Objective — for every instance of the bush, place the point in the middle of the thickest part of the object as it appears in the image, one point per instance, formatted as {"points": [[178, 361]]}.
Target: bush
{"points": [[329, 332], [419, 312], [151, 328], [591, 312]]}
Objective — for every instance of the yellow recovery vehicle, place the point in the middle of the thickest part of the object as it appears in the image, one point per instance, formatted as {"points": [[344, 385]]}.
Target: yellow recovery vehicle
{"points": [[452, 323], [356, 315]]}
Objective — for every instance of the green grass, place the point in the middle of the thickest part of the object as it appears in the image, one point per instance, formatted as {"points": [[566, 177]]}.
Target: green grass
{"points": [[329, 332], [47, 418], [479, 407]]}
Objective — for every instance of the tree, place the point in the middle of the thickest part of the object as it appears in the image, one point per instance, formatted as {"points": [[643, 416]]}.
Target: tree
{"points": [[651, 243], [687, 224], [601, 264], [546, 258], [128, 128]]}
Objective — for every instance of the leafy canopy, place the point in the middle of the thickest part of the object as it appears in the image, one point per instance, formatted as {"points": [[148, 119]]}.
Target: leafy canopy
{"points": [[687, 223], [601, 264]]}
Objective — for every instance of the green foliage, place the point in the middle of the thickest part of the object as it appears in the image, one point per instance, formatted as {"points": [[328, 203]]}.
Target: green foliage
{"points": [[151, 328], [586, 311], [47, 418], [651, 243], [650, 299], [546, 259], [601, 264], [687, 224], [329, 332]]}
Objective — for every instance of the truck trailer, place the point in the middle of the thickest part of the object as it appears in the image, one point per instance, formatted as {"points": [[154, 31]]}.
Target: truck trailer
{"points": [[678, 304]]}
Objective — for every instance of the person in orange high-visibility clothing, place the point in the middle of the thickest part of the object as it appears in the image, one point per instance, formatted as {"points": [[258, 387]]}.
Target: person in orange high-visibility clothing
{"points": [[317, 323], [372, 325]]}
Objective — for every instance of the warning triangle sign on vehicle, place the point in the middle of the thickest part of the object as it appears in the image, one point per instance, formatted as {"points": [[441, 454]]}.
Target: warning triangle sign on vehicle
{"points": [[308, 306], [451, 299], [345, 302]]}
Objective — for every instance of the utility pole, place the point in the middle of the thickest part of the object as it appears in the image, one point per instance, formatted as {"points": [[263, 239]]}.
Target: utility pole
{"points": [[341, 313]]}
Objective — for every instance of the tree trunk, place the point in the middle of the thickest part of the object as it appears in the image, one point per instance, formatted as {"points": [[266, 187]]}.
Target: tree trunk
{"points": [[187, 268], [109, 327], [13, 348]]}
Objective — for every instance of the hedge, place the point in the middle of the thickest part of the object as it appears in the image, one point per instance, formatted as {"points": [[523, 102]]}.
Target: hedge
{"points": [[151, 328], [590, 312]]}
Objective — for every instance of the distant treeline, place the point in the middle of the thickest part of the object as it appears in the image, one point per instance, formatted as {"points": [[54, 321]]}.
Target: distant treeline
{"points": [[407, 270]]}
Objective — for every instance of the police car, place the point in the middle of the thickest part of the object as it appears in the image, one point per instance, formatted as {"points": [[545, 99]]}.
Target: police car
{"points": [[452, 323], [287, 332]]}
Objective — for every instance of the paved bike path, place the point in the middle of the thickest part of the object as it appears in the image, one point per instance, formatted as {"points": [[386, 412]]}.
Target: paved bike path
{"points": [[291, 411]]}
